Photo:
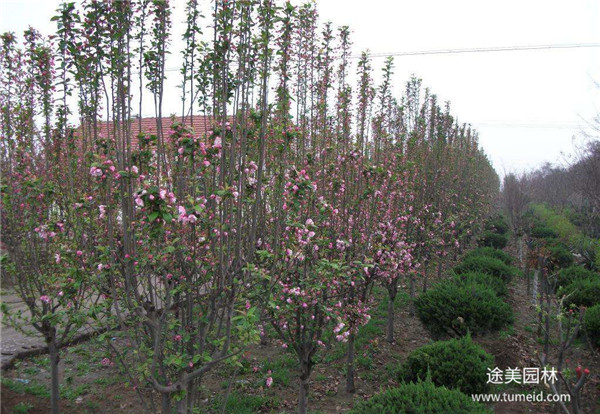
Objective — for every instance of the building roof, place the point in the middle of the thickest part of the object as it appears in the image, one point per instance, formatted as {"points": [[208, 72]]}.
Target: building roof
{"points": [[200, 123]]}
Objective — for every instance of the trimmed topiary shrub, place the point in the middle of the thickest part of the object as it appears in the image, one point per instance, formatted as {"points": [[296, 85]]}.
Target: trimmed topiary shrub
{"points": [[491, 252], [581, 292], [491, 239], [591, 324], [422, 398], [486, 264], [457, 363], [483, 279], [572, 273], [455, 309]]}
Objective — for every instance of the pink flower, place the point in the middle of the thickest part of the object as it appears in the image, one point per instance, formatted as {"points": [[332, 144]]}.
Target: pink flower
{"points": [[191, 364], [178, 338], [106, 362], [95, 172], [79, 253], [45, 298], [57, 258], [269, 382], [139, 202]]}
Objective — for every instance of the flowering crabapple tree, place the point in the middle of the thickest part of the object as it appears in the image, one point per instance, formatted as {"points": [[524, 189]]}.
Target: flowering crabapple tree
{"points": [[47, 225], [307, 279]]}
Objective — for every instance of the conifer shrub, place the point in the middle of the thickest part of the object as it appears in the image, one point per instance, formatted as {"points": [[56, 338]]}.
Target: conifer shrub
{"points": [[491, 239], [455, 309], [422, 398], [486, 264], [581, 292], [457, 363], [541, 231], [572, 273], [591, 324], [491, 252], [497, 224], [483, 279], [560, 256]]}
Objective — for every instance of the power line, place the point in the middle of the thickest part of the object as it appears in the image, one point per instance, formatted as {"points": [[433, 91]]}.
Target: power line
{"points": [[484, 50], [469, 50]]}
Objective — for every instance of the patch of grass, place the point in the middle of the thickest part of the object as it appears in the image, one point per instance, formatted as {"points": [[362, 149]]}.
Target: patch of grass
{"points": [[41, 361], [507, 332], [243, 403], [104, 381], [31, 370], [83, 368], [32, 388], [282, 369], [364, 361], [72, 393], [22, 408]]}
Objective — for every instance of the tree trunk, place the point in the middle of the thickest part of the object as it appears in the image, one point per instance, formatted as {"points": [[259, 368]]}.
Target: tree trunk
{"points": [[390, 318], [425, 279], [350, 388], [303, 396], [166, 403], [411, 309], [54, 359]]}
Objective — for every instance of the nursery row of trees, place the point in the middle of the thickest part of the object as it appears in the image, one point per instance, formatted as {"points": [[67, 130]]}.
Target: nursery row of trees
{"points": [[574, 188], [305, 191]]}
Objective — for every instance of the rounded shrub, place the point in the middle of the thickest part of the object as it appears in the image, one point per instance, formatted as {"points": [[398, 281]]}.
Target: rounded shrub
{"points": [[486, 264], [422, 398], [560, 256], [572, 273], [491, 252], [497, 225], [483, 279], [581, 292], [591, 324], [455, 309], [491, 239], [541, 231], [457, 363]]}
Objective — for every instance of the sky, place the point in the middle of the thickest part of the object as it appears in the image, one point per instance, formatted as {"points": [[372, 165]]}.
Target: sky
{"points": [[529, 107]]}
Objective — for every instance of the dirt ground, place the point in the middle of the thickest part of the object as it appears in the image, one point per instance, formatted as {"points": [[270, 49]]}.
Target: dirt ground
{"points": [[89, 387]]}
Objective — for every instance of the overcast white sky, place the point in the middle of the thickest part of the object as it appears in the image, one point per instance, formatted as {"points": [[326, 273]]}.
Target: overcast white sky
{"points": [[526, 105]]}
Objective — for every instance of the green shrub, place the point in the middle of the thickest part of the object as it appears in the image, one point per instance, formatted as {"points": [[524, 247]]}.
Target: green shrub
{"points": [[581, 292], [451, 308], [457, 363], [497, 225], [541, 231], [591, 324], [483, 279], [491, 239], [560, 256], [486, 264], [422, 398], [491, 252], [572, 273]]}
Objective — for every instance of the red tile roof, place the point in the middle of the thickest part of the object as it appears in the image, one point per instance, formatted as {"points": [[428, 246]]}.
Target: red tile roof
{"points": [[200, 123]]}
